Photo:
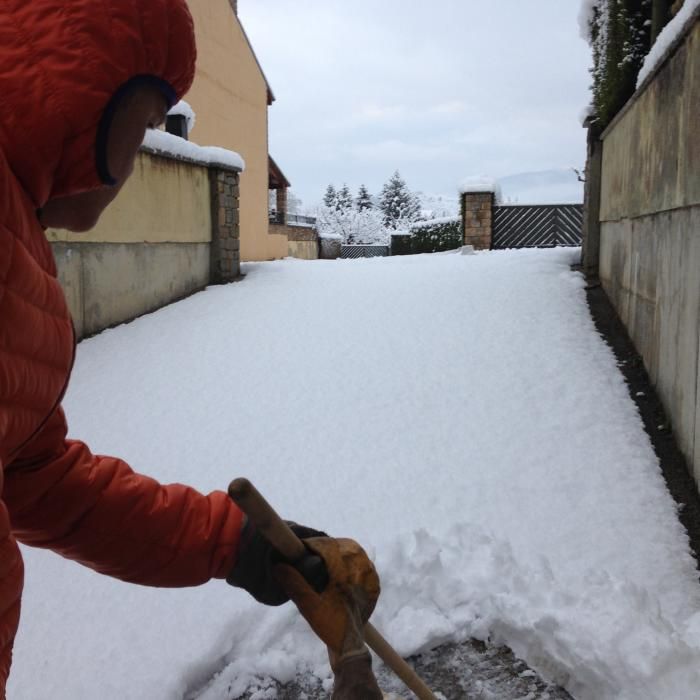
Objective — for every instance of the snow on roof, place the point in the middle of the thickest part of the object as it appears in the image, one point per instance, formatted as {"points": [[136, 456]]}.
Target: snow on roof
{"points": [[162, 143], [672, 31], [183, 109]]}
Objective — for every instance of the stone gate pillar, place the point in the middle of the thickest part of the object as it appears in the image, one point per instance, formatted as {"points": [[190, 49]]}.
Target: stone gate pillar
{"points": [[477, 217], [225, 235]]}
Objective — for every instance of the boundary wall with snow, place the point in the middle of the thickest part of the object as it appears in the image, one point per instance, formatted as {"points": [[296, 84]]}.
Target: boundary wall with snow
{"points": [[649, 247], [173, 230]]}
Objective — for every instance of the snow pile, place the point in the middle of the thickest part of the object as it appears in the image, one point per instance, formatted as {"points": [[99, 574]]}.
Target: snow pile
{"points": [[162, 143], [457, 414], [669, 34], [184, 109]]}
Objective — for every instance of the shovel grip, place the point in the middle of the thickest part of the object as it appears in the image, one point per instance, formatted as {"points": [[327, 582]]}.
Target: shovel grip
{"points": [[263, 515]]}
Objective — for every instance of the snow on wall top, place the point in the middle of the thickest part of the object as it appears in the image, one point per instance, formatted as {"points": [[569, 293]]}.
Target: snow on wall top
{"points": [[162, 143], [184, 109], [672, 31], [479, 183]]}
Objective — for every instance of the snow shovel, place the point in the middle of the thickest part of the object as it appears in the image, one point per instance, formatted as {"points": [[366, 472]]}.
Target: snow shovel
{"points": [[362, 683]]}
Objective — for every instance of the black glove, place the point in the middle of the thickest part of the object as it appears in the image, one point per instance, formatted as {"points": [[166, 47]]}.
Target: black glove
{"points": [[257, 558]]}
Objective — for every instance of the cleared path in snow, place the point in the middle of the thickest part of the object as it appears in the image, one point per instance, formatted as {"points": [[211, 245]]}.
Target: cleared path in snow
{"points": [[458, 415]]}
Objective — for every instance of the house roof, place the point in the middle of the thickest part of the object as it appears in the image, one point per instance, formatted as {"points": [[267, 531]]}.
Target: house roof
{"points": [[277, 179], [270, 94]]}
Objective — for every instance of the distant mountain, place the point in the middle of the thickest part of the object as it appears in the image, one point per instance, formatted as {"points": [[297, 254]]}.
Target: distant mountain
{"points": [[543, 187], [435, 206]]}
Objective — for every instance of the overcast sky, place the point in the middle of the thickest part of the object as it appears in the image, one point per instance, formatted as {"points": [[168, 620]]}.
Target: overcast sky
{"points": [[440, 90]]}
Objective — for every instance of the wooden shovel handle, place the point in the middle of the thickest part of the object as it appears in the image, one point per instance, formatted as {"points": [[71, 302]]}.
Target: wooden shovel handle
{"points": [[281, 537]]}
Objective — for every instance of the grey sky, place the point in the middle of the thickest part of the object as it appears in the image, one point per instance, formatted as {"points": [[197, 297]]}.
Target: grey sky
{"points": [[439, 90]]}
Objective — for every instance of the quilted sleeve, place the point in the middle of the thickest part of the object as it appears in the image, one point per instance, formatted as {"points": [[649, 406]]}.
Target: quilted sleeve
{"points": [[99, 512]]}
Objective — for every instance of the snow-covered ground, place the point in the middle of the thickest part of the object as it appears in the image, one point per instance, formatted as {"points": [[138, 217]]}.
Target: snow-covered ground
{"points": [[457, 414]]}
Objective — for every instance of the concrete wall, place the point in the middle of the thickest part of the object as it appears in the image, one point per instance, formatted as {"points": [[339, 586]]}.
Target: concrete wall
{"points": [[111, 283], [230, 96], [172, 230], [650, 233]]}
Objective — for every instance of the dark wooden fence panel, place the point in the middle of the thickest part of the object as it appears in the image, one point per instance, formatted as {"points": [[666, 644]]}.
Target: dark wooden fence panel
{"points": [[537, 226]]}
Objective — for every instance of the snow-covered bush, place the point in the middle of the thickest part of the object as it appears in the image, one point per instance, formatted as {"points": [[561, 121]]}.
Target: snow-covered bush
{"points": [[364, 227], [429, 237]]}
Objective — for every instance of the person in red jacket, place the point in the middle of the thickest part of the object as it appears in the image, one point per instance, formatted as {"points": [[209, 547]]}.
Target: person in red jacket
{"points": [[81, 81]]}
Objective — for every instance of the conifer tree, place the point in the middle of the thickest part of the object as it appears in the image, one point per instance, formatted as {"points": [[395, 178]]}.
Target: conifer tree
{"points": [[364, 201], [330, 198], [397, 203], [344, 199]]}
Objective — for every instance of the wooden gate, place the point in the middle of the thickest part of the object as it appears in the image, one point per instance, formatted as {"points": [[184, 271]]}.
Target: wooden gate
{"points": [[537, 226]]}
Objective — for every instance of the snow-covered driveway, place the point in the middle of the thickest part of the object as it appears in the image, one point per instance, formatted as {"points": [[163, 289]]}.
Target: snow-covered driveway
{"points": [[458, 415]]}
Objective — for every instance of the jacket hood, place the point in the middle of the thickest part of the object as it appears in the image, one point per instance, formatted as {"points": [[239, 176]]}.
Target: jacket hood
{"points": [[64, 65]]}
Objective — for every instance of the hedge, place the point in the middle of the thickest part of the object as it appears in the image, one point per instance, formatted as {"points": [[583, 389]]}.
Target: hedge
{"points": [[429, 237]]}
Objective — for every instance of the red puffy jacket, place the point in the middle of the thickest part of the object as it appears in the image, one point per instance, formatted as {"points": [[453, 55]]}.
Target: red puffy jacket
{"points": [[61, 63]]}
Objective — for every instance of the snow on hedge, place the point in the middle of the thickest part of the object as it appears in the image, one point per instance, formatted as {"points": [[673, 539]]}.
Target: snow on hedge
{"points": [[675, 28], [585, 18], [163, 143], [436, 222]]}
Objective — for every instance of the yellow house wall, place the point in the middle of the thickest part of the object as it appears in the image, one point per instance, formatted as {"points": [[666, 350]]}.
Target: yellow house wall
{"points": [[229, 97]]}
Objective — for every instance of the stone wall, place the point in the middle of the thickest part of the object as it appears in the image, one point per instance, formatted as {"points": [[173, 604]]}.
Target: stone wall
{"points": [[477, 219], [302, 240], [172, 231], [650, 232], [225, 239]]}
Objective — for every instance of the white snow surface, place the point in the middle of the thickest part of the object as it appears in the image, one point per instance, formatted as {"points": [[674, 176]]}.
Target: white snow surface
{"points": [[667, 36], [456, 414], [185, 109], [174, 146]]}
